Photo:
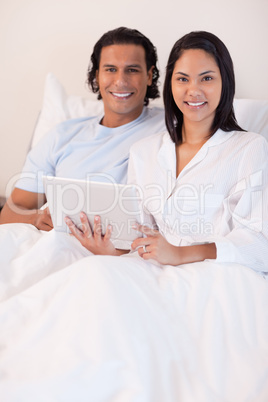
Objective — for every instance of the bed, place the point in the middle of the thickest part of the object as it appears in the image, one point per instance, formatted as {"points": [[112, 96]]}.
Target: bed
{"points": [[83, 328]]}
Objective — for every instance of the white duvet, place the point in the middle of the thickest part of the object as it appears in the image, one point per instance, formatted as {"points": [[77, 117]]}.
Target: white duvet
{"points": [[80, 328]]}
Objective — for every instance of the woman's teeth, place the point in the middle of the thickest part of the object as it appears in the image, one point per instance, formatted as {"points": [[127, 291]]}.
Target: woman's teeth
{"points": [[195, 103]]}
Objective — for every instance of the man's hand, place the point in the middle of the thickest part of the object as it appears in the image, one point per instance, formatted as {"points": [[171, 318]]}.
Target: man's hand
{"points": [[23, 207], [43, 220]]}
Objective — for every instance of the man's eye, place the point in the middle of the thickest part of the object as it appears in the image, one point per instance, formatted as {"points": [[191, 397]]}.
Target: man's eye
{"points": [[132, 70], [111, 69]]}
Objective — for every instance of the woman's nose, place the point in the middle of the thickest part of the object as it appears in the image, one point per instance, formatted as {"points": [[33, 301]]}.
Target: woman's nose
{"points": [[193, 89]]}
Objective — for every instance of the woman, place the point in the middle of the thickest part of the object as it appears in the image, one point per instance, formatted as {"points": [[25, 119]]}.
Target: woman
{"points": [[212, 174]]}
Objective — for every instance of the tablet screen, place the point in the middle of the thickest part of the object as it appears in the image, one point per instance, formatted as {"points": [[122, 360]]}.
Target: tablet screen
{"points": [[116, 204]]}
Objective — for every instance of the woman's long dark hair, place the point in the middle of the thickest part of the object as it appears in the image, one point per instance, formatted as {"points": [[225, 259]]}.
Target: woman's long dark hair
{"points": [[224, 116], [125, 36]]}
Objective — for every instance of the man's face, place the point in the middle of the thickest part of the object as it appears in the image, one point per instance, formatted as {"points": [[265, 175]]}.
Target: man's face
{"points": [[122, 79]]}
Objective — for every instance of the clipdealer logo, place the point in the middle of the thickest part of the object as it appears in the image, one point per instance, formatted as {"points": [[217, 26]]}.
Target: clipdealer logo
{"points": [[244, 205]]}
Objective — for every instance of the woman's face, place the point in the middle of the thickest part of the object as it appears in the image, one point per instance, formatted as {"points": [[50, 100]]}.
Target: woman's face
{"points": [[196, 86]]}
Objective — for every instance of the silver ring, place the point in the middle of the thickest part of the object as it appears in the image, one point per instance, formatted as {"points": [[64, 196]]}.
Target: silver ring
{"points": [[144, 249]]}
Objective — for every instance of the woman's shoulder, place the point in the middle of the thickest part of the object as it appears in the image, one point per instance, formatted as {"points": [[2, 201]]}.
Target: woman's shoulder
{"points": [[238, 139], [251, 149], [250, 138], [249, 135], [151, 143]]}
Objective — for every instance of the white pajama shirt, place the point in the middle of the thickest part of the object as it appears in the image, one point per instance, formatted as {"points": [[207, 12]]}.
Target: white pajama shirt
{"points": [[220, 196]]}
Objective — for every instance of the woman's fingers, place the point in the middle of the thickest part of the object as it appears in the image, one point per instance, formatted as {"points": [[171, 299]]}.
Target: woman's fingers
{"points": [[143, 243], [94, 241], [97, 229], [108, 233], [73, 228], [145, 230], [86, 229], [82, 232], [144, 249]]}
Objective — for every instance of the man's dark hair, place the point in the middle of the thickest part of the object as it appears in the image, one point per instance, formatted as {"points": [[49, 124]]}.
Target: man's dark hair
{"points": [[125, 36], [224, 116]]}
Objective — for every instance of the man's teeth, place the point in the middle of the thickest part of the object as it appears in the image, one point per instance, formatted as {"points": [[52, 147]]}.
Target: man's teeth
{"points": [[195, 103], [120, 95]]}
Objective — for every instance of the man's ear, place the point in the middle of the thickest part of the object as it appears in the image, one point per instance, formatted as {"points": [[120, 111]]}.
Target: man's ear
{"points": [[150, 76]]}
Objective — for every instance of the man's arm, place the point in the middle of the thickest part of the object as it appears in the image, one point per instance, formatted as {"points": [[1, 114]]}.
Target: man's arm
{"points": [[24, 207]]}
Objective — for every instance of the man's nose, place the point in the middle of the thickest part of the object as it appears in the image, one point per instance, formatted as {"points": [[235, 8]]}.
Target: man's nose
{"points": [[121, 78]]}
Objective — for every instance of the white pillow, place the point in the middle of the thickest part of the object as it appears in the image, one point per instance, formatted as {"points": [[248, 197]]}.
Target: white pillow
{"points": [[251, 114], [58, 106]]}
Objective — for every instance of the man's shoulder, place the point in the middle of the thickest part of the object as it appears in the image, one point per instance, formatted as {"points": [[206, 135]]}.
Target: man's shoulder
{"points": [[152, 120], [76, 122], [70, 128], [155, 112]]}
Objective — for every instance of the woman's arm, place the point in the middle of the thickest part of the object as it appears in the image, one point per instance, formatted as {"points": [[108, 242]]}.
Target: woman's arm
{"points": [[156, 247]]}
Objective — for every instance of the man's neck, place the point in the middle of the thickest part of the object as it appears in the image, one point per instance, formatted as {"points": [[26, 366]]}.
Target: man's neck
{"points": [[117, 120]]}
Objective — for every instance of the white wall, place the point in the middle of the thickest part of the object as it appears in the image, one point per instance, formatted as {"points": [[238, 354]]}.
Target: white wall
{"points": [[38, 36]]}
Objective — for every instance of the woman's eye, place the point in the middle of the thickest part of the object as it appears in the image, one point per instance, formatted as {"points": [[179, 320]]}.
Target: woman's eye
{"points": [[182, 79], [207, 78]]}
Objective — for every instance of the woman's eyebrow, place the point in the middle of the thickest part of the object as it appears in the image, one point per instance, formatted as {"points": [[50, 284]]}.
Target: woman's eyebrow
{"points": [[205, 72], [179, 72]]}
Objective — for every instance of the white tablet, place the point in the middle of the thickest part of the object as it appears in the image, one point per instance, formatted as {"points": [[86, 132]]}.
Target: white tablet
{"points": [[116, 204]]}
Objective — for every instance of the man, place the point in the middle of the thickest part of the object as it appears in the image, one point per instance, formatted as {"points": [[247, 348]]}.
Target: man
{"points": [[125, 75]]}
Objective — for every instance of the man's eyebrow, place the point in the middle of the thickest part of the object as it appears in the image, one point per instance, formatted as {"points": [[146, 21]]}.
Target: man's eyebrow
{"points": [[127, 66], [205, 72], [108, 65], [134, 65]]}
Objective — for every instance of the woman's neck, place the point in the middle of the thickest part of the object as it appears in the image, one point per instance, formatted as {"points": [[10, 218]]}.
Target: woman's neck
{"points": [[194, 133]]}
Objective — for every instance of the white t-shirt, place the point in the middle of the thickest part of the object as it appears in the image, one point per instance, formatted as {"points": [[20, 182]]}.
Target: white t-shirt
{"points": [[82, 148], [221, 195]]}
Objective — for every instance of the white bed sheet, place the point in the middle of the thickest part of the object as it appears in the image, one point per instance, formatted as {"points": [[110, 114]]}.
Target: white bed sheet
{"points": [[121, 329]]}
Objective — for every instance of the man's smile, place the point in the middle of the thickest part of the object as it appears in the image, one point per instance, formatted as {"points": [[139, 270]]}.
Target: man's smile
{"points": [[122, 95]]}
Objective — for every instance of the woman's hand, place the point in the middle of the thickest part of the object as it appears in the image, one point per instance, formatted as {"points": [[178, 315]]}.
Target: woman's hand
{"points": [[156, 247], [93, 241]]}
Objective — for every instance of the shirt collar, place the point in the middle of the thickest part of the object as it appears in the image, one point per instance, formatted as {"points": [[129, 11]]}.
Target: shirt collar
{"points": [[167, 152]]}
